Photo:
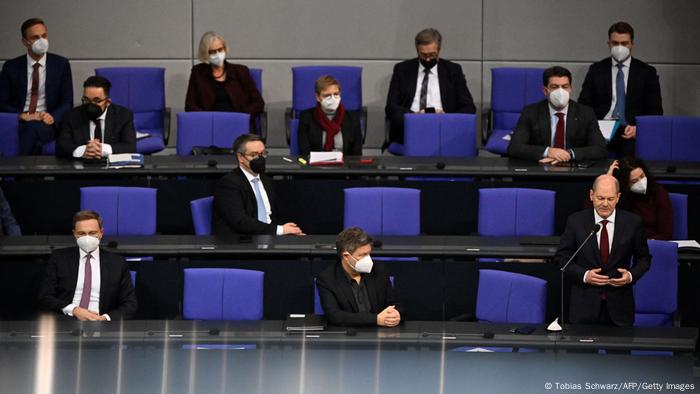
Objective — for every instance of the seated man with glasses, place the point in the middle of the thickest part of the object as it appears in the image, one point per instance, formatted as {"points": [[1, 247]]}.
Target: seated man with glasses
{"points": [[97, 128], [244, 200]]}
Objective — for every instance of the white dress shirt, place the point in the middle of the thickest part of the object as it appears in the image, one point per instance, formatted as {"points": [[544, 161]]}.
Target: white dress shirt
{"points": [[106, 148], [266, 201], [553, 120], [433, 98], [626, 73], [41, 102], [337, 139], [94, 286]]}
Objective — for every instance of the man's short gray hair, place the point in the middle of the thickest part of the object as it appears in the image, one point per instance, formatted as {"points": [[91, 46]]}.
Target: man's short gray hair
{"points": [[429, 36]]}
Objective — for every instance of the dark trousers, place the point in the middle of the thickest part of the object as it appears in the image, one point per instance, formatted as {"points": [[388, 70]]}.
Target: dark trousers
{"points": [[33, 136]]}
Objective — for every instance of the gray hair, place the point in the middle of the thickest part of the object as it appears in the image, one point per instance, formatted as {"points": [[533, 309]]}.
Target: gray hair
{"points": [[429, 36], [205, 43], [350, 239]]}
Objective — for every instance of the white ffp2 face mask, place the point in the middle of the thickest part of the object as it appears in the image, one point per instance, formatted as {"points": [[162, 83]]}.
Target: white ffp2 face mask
{"points": [[363, 265], [88, 243], [330, 104], [559, 98], [620, 53], [640, 187], [217, 59], [40, 46]]}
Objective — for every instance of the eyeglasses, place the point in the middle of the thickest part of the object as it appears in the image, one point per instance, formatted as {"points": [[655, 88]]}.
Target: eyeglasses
{"points": [[87, 100], [255, 155]]}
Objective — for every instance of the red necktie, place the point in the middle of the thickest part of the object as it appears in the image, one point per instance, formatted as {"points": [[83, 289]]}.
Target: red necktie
{"points": [[604, 245], [87, 284], [34, 99], [559, 134]]}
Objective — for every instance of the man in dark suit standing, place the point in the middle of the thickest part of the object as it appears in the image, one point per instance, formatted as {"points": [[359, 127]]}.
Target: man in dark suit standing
{"points": [[621, 88], [355, 291], [601, 275], [38, 86], [244, 199], [97, 128], [557, 130], [426, 84], [85, 282]]}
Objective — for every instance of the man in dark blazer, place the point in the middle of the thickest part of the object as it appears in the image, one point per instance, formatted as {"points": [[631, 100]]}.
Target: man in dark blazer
{"points": [[602, 274], [355, 291], [38, 86], [557, 130], [8, 224], [445, 91], [244, 200], [85, 282], [97, 128], [641, 88]]}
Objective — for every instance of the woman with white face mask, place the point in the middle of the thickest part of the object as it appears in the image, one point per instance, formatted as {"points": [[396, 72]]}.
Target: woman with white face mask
{"points": [[217, 85], [328, 126], [642, 195]]}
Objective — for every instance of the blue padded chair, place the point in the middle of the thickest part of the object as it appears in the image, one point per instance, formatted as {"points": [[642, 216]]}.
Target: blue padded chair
{"points": [[445, 135], [656, 293], [133, 278], [9, 134], [679, 202], [318, 309], [142, 90], [218, 129], [512, 88], [222, 294], [515, 212], [124, 210], [260, 120], [508, 297], [304, 95], [201, 215], [668, 138], [294, 137], [383, 210]]}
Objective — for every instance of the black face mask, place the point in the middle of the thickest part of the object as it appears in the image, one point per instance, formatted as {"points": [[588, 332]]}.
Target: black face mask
{"points": [[93, 111], [428, 63], [258, 165]]}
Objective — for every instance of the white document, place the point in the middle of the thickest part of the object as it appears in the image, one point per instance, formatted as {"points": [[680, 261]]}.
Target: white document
{"points": [[689, 243], [507, 136], [608, 128], [325, 157], [141, 135]]}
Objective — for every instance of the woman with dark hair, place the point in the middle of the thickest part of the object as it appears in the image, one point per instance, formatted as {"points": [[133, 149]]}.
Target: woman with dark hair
{"points": [[643, 196]]}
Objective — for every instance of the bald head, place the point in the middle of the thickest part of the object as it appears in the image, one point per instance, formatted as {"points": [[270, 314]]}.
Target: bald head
{"points": [[606, 181], [605, 194]]}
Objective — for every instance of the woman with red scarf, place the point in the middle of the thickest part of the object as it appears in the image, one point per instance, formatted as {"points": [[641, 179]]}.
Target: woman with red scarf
{"points": [[328, 127]]}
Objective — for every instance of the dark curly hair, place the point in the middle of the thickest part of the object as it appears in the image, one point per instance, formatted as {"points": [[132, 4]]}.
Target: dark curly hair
{"points": [[626, 166]]}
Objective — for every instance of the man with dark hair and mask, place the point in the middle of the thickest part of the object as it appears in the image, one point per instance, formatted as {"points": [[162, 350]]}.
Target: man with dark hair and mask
{"points": [[557, 130], [38, 86], [622, 76], [97, 128], [355, 291], [85, 282], [244, 200]]}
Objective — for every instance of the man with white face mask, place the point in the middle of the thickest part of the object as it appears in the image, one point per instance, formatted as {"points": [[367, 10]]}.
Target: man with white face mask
{"points": [[85, 282], [557, 130], [621, 87], [38, 86], [328, 126], [356, 291]]}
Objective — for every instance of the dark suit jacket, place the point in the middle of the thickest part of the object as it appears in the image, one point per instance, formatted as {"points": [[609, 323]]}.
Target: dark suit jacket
{"points": [[311, 133], [117, 295], [59, 85], [454, 93], [628, 241], [533, 133], [339, 304], [75, 130], [642, 97], [235, 210], [8, 224], [244, 96]]}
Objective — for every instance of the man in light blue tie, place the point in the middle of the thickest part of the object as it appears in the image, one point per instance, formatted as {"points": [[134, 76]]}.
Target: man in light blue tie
{"points": [[244, 199]]}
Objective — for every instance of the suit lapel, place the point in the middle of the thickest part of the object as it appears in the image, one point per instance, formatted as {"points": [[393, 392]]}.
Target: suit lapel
{"points": [[412, 79], [607, 80], [546, 122], [345, 288], [443, 82], [632, 82], [103, 280], [593, 244], [619, 230], [73, 265], [50, 78], [571, 123], [23, 81]]}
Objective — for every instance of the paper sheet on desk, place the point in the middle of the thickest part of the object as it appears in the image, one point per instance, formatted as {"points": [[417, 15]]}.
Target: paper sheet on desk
{"points": [[507, 136], [689, 243], [608, 128], [141, 135], [326, 158]]}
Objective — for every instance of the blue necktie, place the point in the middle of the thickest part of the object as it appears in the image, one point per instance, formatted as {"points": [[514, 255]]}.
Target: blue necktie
{"points": [[262, 212], [619, 111]]}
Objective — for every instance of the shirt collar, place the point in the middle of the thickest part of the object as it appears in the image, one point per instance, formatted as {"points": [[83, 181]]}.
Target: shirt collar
{"points": [[598, 219], [95, 254], [626, 62], [433, 70], [31, 61], [248, 175], [553, 111]]}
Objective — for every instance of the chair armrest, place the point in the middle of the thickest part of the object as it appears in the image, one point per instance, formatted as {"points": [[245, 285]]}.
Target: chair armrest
{"points": [[166, 124]]}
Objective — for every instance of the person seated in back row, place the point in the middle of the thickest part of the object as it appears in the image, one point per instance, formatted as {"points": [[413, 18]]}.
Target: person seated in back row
{"points": [[328, 126]]}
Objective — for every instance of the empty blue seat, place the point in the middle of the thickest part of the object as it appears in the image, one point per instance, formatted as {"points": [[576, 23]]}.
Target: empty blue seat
{"points": [[124, 210], [206, 129], [383, 210], [201, 215], [516, 212], [508, 297], [668, 138], [445, 135], [222, 294], [656, 293], [679, 202]]}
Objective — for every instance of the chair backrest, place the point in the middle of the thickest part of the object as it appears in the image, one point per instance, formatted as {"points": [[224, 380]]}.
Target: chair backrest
{"points": [[124, 210], [9, 134], [201, 215], [668, 138], [304, 78], [222, 294], [656, 293], [383, 210], [679, 202], [217, 129], [294, 137], [512, 88], [132, 274], [516, 212], [256, 75], [440, 135], [141, 89], [508, 297]]}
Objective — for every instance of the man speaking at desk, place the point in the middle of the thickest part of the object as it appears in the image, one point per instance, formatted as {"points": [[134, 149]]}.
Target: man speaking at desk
{"points": [[244, 199], [355, 291], [85, 282], [601, 275]]}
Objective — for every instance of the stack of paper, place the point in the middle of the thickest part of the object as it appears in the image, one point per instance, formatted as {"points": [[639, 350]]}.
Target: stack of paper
{"points": [[325, 158], [126, 160]]}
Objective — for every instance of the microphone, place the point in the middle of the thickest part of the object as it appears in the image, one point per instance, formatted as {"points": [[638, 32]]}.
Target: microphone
{"points": [[212, 163], [440, 165], [556, 324]]}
